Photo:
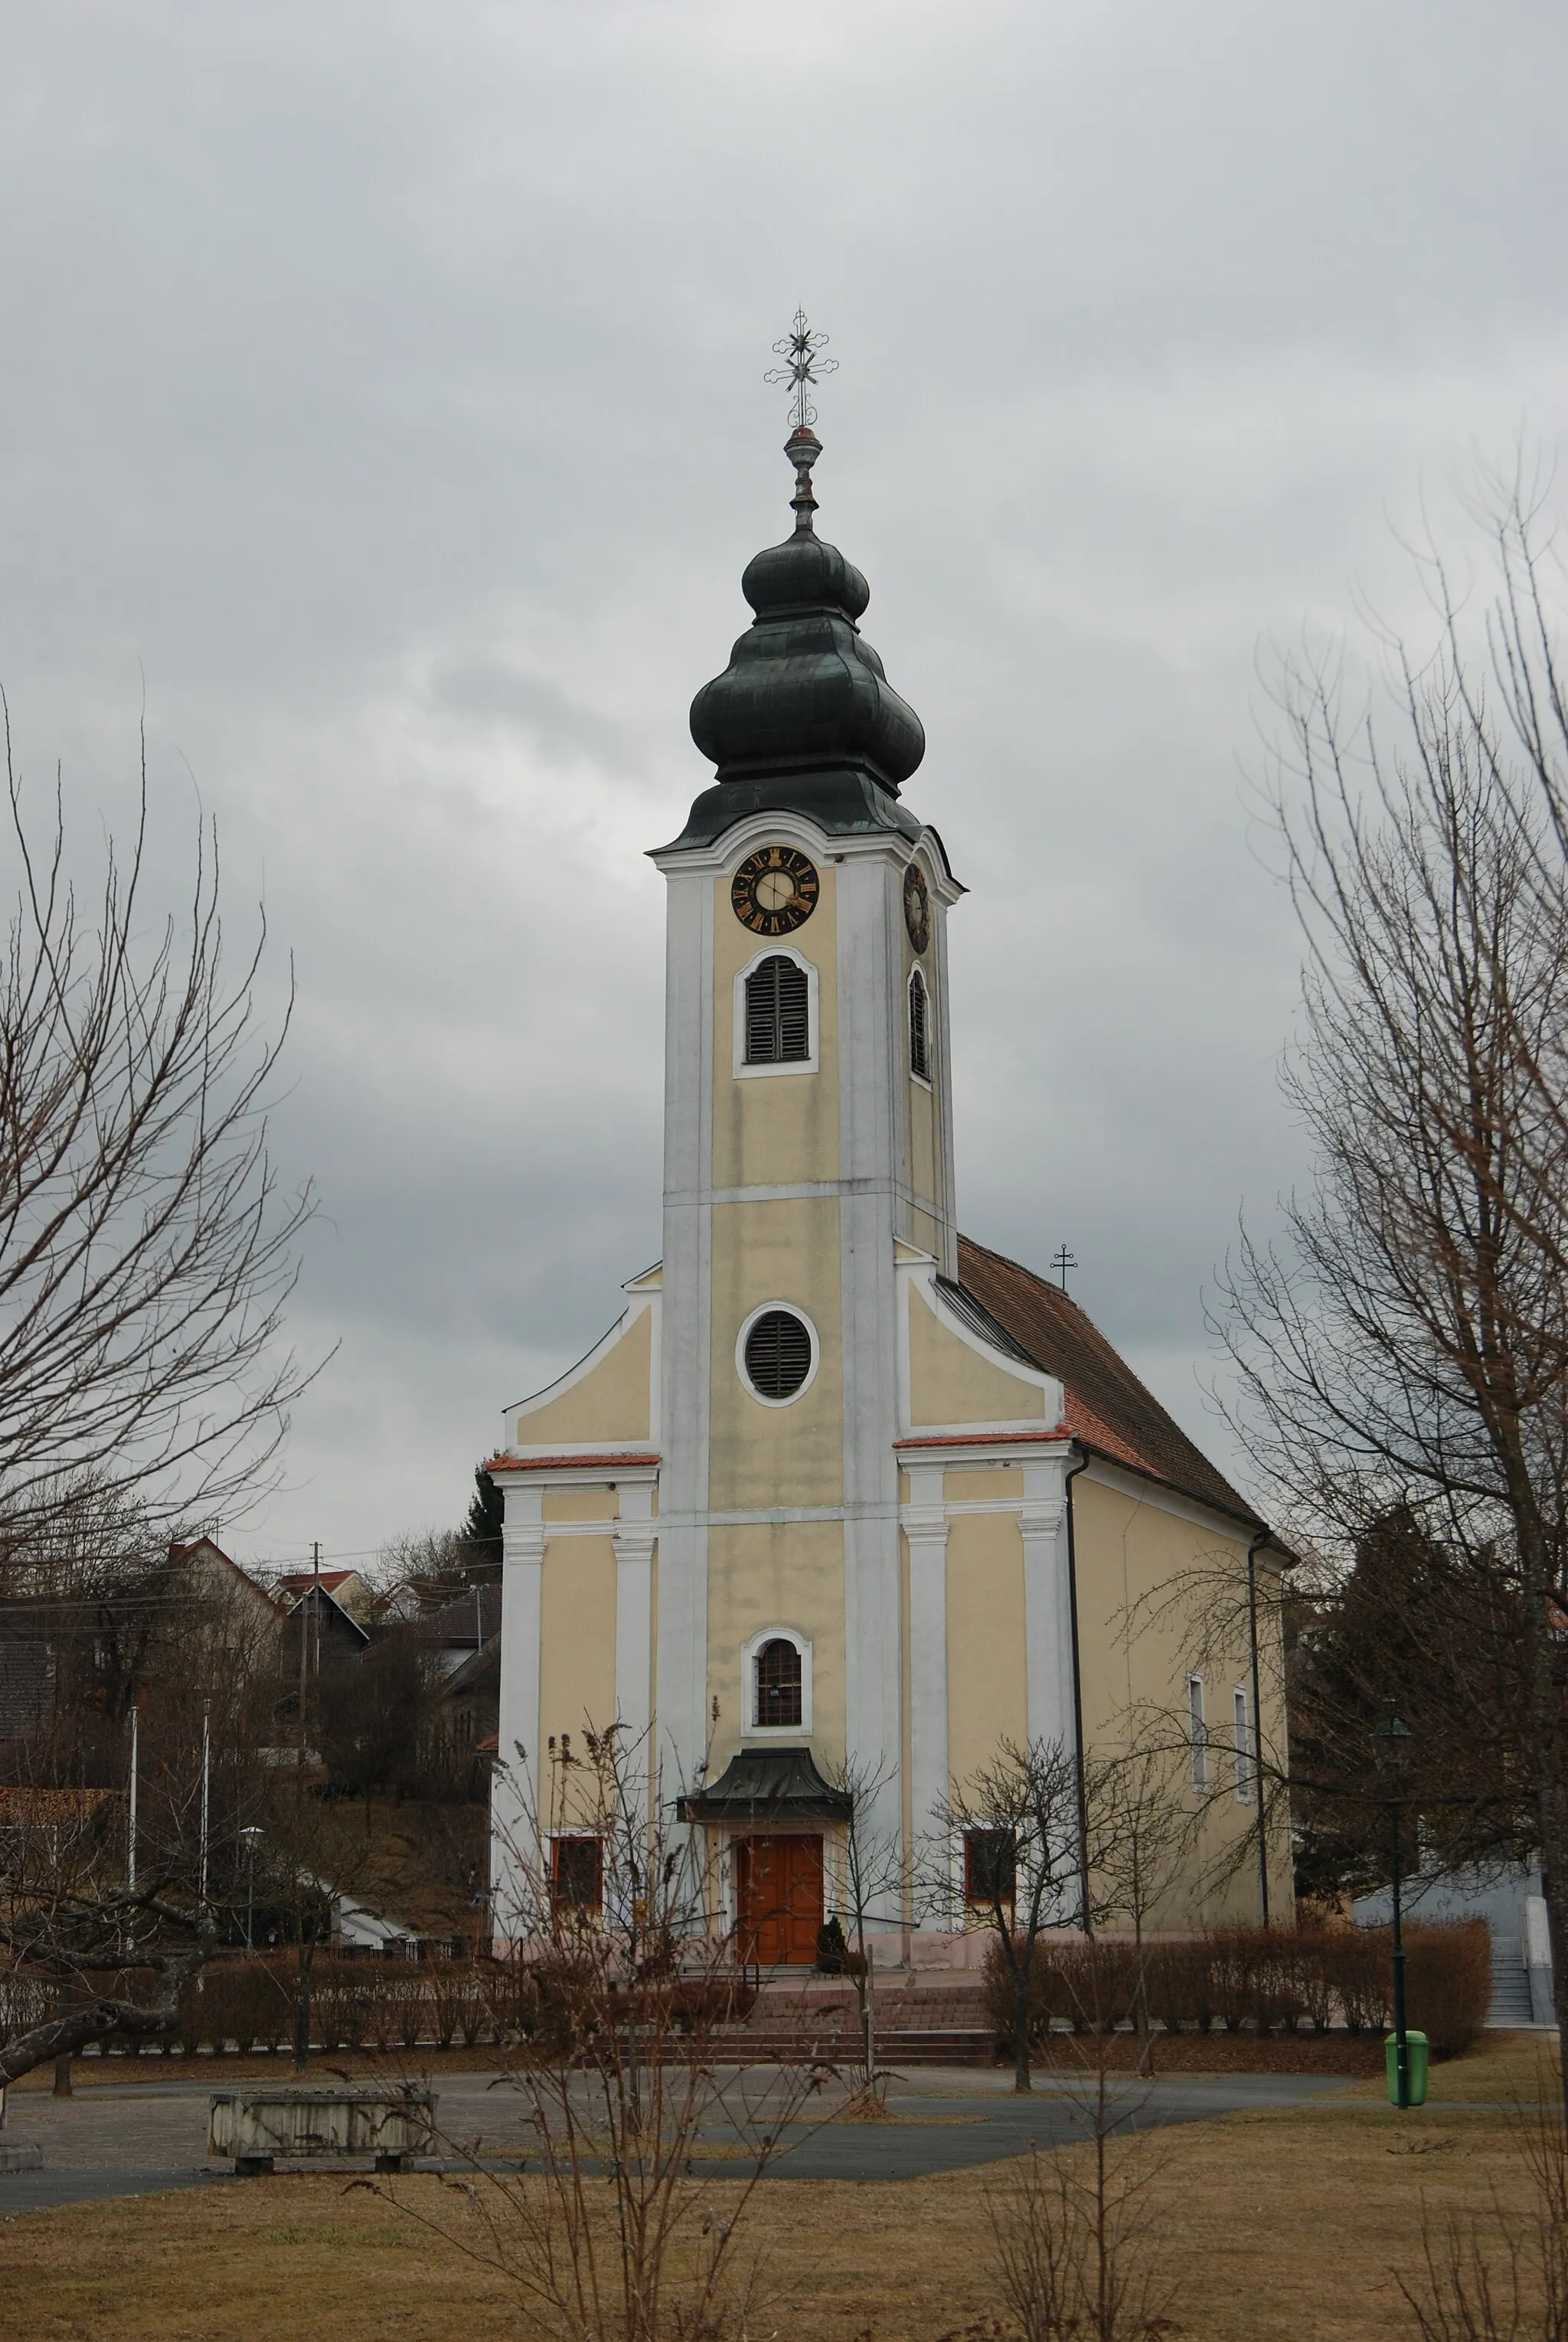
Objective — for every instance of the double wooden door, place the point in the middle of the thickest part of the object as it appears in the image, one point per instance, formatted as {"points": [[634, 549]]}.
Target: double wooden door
{"points": [[778, 1899]]}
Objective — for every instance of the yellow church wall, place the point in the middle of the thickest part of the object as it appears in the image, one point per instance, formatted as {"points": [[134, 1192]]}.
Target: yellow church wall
{"points": [[774, 1130], [987, 1688], [1129, 1548], [776, 1573], [995, 1484], [580, 1505], [611, 1403], [951, 1383], [924, 1171], [790, 1253], [577, 1642]]}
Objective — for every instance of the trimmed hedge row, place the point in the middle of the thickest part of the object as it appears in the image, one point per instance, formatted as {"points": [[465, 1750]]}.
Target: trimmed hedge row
{"points": [[1260, 1980]]}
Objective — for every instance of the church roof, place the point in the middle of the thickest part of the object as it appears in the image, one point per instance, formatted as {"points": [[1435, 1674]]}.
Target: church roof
{"points": [[1108, 1409]]}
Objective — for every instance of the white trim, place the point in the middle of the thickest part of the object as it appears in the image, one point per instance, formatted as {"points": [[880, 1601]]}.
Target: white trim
{"points": [[1245, 1744], [790, 1309], [1197, 1735], [749, 1728], [725, 854], [635, 1535], [808, 1064], [1001, 1444], [924, 1523]]}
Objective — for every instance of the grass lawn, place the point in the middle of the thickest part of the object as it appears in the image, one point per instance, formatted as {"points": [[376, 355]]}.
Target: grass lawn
{"points": [[1280, 2225]]}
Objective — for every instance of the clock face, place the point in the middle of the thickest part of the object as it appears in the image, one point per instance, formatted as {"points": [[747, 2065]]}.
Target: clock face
{"points": [[916, 908], [773, 891]]}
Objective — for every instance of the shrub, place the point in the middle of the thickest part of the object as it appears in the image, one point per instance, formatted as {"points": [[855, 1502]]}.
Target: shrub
{"points": [[1448, 1983]]}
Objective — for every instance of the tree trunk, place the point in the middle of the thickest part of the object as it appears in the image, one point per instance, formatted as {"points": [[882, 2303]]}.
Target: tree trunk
{"points": [[1023, 2079]]}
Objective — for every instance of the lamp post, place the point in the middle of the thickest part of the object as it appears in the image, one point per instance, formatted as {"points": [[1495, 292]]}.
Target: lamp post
{"points": [[1392, 1733], [250, 1835]]}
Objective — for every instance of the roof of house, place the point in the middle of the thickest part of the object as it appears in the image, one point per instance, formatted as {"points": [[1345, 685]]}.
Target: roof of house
{"points": [[1107, 1408], [468, 1619]]}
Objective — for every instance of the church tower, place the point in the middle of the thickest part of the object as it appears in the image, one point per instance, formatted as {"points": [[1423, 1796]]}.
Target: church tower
{"points": [[808, 1147], [808, 1512]]}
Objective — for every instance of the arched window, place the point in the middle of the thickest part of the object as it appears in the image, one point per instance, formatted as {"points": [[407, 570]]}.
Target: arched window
{"points": [[919, 1027], [776, 1699], [778, 1012]]}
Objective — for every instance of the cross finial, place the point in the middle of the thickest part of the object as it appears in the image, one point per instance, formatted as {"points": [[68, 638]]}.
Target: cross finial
{"points": [[803, 367], [1062, 1263]]}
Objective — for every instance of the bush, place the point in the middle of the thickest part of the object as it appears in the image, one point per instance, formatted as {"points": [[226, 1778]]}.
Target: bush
{"points": [[1256, 1979], [1448, 1983]]}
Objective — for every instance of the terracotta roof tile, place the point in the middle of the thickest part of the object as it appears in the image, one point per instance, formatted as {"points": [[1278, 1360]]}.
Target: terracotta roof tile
{"points": [[620, 1461], [1107, 1407]]}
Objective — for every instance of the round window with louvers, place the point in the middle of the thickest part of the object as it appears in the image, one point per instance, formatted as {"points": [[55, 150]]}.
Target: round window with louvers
{"points": [[777, 1355]]}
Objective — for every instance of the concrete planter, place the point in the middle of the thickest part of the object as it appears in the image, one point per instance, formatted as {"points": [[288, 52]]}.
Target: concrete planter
{"points": [[257, 2128]]}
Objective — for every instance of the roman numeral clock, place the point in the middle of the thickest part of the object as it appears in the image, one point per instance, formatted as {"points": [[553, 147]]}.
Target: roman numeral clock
{"points": [[774, 890]]}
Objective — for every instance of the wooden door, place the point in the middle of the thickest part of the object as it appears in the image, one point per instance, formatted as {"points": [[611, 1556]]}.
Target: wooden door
{"points": [[778, 1899]]}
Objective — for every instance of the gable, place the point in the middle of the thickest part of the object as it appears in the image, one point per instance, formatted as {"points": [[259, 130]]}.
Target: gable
{"points": [[606, 1399], [952, 1381]]}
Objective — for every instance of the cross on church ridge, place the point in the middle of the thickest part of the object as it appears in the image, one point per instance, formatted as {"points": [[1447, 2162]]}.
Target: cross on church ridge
{"points": [[802, 369]]}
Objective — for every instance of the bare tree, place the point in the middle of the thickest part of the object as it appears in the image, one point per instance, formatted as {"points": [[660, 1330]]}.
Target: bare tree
{"points": [[619, 1980], [146, 1249], [872, 1887], [1405, 1346], [1075, 2242], [1016, 1828], [1140, 1833]]}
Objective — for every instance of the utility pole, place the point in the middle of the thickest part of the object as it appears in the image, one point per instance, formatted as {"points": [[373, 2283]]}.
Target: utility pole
{"points": [[131, 1830], [206, 1803]]}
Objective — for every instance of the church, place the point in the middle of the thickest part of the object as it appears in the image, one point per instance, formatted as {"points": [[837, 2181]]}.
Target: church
{"points": [[843, 1488]]}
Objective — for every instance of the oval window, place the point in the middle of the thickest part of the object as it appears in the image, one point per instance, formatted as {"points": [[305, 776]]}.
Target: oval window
{"points": [[778, 1354]]}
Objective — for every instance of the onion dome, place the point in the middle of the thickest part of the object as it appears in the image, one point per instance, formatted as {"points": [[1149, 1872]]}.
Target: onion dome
{"points": [[804, 719]]}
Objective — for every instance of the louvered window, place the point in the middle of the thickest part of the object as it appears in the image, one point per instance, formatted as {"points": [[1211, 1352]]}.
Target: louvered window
{"points": [[778, 1685], [778, 1354], [919, 1027], [778, 1016]]}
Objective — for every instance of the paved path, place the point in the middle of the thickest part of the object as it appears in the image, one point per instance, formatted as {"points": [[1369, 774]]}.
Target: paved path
{"points": [[130, 2139]]}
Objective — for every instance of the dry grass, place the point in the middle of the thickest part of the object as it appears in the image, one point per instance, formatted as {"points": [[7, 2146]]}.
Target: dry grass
{"points": [[1281, 2225]]}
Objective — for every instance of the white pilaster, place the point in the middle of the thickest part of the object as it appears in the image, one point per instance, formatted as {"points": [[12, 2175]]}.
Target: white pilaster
{"points": [[635, 1536], [925, 1530], [871, 1066], [681, 1659], [514, 1791], [1047, 1605]]}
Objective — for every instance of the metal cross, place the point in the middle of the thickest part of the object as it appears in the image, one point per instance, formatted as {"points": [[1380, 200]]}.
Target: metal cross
{"points": [[1062, 1263], [804, 367]]}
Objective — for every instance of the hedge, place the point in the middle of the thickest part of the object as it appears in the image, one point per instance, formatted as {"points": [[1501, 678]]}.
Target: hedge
{"points": [[1259, 1980]]}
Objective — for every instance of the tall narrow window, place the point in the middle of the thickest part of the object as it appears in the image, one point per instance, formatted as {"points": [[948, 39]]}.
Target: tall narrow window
{"points": [[919, 1027], [777, 1704], [778, 1012], [990, 1867], [576, 1874], [1198, 1731], [1247, 1769]]}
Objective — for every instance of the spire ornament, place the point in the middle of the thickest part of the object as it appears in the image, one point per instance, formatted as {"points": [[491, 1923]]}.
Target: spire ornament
{"points": [[802, 369]]}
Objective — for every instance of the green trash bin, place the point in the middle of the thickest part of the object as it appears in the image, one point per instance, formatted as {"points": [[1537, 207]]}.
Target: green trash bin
{"points": [[1415, 2043]]}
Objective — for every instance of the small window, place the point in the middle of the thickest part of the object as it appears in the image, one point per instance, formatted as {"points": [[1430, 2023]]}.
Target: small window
{"points": [[1246, 1768], [576, 1874], [778, 1012], [778, 1354], [919, 1027], [989, 1867], [1198, 1732], [777, 1704]]}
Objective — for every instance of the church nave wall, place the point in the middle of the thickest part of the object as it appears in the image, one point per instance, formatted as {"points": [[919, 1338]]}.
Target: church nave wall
{"points": [[577, 1626], [987, 1690]]}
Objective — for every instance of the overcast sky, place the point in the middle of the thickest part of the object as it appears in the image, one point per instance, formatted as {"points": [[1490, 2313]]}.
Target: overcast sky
{"points": [[383, 395]]}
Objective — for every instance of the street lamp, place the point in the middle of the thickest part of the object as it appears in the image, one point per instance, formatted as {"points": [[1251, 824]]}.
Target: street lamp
{"points": [[250, 1836], [1392, 1733]]}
